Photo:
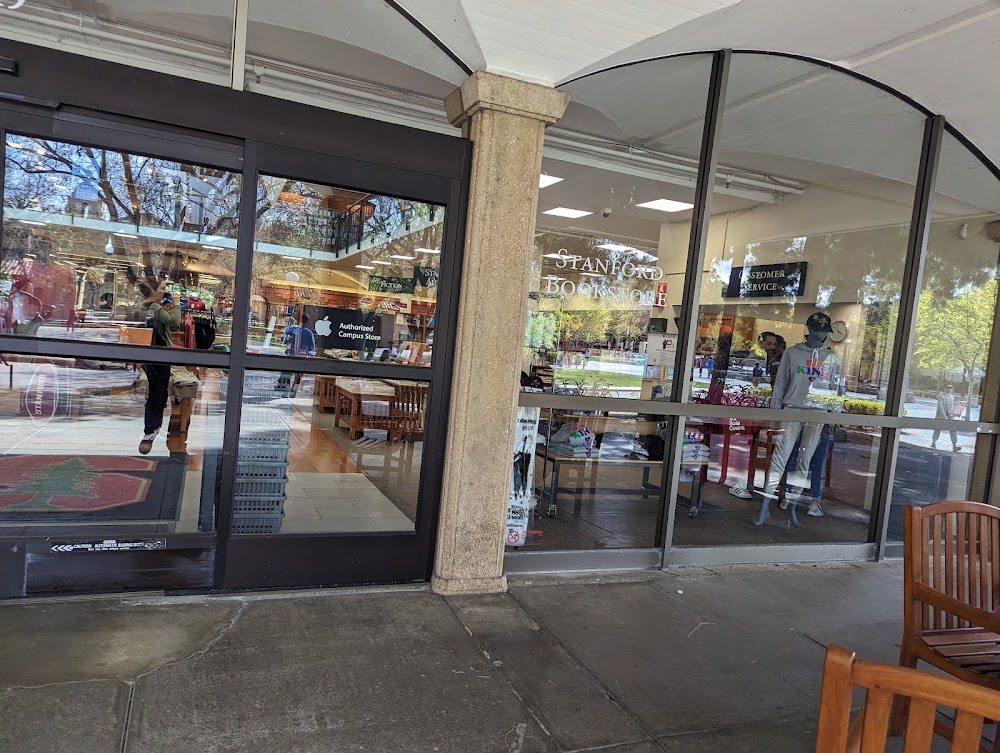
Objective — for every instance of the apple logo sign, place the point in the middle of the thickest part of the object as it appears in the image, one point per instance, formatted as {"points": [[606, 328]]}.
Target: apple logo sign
{"points": [[323, 327]]}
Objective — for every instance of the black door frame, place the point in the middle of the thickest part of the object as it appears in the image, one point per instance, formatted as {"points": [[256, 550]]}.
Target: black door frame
{"points": [[301, 559], [54, 96]]}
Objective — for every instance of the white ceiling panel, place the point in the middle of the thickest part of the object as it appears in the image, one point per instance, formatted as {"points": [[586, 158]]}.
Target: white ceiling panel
{"points": [[349, 39], [941, 54], [446, 20], [551, 40]]}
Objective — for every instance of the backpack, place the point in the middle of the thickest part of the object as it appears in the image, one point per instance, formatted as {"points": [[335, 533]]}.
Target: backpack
{"points": [[161, 332], [204, 332]]}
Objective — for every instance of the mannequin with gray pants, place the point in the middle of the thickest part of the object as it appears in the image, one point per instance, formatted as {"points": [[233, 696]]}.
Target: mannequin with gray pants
{"points": [[800, 366]]}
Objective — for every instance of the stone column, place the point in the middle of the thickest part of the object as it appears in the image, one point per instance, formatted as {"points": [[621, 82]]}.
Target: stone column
{"points": [[506, 119]]}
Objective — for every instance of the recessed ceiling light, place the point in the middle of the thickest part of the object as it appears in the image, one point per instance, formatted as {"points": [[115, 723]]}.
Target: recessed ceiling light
{"points": [[383, 263], [125, 235], [289, 258], [616, 247], [666, 205], [592, 274], [556, 256], [214, 248], [428, 250], [401, 256], [363, 266], [32, 222], [573, 214], [547, 180]]}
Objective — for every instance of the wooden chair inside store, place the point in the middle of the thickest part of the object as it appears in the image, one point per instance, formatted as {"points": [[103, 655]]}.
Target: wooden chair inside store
{"points": [[325, 394], [923, 692], [762, 446], [408, 411], [135, 336], [951, 585]]}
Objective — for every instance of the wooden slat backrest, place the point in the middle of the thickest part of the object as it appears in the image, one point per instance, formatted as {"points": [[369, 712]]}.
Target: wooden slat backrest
{"points": [[410, 408], [842, 672], [954, 548]]}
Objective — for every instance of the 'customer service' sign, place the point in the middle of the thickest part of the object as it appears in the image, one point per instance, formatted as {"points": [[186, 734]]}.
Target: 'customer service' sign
{"points": [[767, 281]]}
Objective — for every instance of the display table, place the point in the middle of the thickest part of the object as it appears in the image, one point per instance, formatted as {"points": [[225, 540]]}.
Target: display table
{"points": [[591, 464], [349, 397]]}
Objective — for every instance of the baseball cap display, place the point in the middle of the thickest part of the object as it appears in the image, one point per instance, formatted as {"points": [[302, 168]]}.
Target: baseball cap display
{"points": [[820, 321]]}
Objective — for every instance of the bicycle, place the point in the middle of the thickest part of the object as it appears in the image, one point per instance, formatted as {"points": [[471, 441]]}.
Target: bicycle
{"points": [[600, 389]]}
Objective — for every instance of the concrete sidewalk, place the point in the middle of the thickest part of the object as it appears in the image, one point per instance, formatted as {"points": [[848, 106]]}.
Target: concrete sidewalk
{"points": [[694, 660]]}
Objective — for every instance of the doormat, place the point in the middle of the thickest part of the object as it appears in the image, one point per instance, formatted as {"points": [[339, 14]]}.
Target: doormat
{"points": [[89, 487]]}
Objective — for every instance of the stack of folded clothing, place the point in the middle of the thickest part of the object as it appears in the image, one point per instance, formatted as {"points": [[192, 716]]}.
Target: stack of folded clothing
{"points": [[694, 451], [573, 441]]}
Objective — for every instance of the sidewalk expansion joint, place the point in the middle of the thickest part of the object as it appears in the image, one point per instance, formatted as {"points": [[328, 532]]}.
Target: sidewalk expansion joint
{"points": [[128, 717], [513, 745]]}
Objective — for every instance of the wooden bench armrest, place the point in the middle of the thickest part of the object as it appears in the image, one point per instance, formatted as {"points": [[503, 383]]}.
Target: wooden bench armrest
{"points": [[939, 600]]}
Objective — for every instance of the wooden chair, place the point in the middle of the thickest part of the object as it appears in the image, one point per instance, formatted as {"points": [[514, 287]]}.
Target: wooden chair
{"points": [[325, 392], [765, 441], [951, 584], [408, 410], [135, 336], [923, 692]]}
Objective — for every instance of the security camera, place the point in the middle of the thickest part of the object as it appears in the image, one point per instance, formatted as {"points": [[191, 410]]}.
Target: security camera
{"points": [[606, 212]]}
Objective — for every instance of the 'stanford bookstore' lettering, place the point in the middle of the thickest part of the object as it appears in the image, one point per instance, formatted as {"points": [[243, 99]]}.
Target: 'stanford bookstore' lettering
{"points": [[602, 288]]}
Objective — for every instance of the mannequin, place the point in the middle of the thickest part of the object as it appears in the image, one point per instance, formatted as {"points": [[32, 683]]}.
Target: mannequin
{"points": [[800, 366]]}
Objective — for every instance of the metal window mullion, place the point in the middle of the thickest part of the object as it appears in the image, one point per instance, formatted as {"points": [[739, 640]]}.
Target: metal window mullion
{"points": [[913, 273], [3, 178], [984, 482], [688, 329], [238, 355], [98, 351]]}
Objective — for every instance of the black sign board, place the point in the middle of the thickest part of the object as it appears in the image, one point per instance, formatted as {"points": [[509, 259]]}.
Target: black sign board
{"points": [[347, 329], [390, 284], [767, 281], [426, 277]]}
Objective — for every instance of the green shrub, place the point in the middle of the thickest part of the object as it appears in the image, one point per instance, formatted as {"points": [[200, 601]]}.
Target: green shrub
{"points": [[864, 407]]}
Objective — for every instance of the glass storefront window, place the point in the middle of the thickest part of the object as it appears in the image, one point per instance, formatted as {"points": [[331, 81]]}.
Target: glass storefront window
{"points": [[69, 432], [957, 303], [97, 241], [801, 286], [926, 474], [952, 337], [596, 480], [731, 491], [343, 275], [606, 278], [827, 235], [323, 454]]}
